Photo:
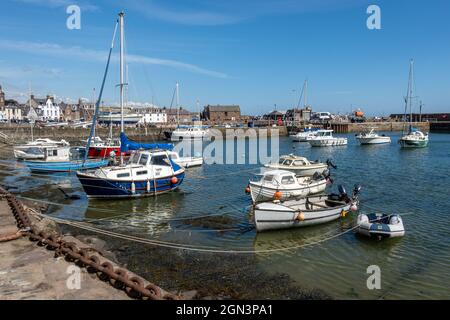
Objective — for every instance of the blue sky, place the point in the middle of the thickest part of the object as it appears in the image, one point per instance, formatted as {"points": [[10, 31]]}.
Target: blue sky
{"points": [[254, 53]]}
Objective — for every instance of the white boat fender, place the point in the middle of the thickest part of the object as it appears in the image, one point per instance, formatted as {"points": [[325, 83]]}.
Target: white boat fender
{"points": [[148, 186], [133, 188]]}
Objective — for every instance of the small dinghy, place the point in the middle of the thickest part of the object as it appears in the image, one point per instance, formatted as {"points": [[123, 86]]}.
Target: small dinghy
{"points": [[186, 162], [380, 225], [306, 211], [282, 184]]}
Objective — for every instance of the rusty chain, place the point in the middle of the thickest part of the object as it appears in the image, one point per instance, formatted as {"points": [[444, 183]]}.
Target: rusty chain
{"points": [[135, 286]]}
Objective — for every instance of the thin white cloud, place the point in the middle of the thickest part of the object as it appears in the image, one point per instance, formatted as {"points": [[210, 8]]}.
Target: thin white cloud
{"points": [[60, 3], [88, 54]]}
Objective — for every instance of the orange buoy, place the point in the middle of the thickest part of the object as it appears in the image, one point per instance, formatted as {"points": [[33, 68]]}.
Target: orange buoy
{"points": [[277, 195], [247, 190], [174, 180], [301, 216]]}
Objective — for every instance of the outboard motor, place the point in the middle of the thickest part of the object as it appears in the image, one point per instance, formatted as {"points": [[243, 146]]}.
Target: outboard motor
{"points": [[327, 175], [395, 219], [343, 196], [331, 164], [356, 189]]}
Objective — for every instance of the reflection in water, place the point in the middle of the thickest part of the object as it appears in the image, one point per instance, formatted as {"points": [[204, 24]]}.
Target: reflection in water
{"points": [[211, 210]]}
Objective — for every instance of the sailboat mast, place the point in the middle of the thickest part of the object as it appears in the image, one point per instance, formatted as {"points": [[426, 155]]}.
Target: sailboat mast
{"points": [[410, 93], [122, 65], [306, 94], [178, 104]]}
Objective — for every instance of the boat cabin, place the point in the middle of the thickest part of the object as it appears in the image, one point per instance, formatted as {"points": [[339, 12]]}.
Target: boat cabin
{"points": [[293, 161], [56, 154], [324, 134], [276, 178]]}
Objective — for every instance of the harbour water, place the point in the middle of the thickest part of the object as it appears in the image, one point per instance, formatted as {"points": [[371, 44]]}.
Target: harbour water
{"points": [[210, 212]]}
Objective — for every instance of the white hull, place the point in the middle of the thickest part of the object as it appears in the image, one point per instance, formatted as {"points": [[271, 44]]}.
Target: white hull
{"points": [[376, 140], [332, 142], [261, 193], [273, 216], [188, 162]]}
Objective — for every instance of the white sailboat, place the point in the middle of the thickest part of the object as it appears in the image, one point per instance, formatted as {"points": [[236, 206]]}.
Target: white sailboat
{"points": [[413, 138]]}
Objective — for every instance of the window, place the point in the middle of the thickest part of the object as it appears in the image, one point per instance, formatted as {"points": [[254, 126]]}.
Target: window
{"points": [[135, 159], [299, 163], [160, 160], [288, 162], [287, 180], [141, 173], [144, 159], [268, 178], [123, 175], [281, 161]]}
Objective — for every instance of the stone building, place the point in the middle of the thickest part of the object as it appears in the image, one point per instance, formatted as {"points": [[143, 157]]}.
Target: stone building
{"points": [[178, 116], [219, 113]]}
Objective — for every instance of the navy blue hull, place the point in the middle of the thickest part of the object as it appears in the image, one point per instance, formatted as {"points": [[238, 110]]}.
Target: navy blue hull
{"points": [[102, 188]]}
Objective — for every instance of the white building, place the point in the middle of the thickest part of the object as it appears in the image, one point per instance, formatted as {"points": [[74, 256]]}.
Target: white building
{"points": [[12, 114], [153, 118], [50, 111]]}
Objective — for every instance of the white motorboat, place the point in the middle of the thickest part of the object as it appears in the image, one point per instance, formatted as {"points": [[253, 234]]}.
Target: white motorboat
{"points": [[281, 185], [324, 138], [304, 212], [116, 118], [371, 137], [35, 150], [186, 162], [299, 165], [189, 133], [305, 135], [380, 225]]}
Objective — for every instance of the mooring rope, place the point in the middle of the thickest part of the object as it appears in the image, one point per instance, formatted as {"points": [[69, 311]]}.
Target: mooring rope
{"points": [[205, 249]]}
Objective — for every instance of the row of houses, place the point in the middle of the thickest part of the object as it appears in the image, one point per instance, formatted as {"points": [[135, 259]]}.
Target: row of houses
{"points": [[47, 109]]}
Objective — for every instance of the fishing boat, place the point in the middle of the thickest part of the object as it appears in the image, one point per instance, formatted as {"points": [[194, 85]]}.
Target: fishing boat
{"points": [[380, 225], [186, 162], [324, 138], [33, 150], [372, 137], [148, 173], [413, 138], [104, 148], [60, 159], [305, 211], [150, 170], [282, 185], [299, 165]]}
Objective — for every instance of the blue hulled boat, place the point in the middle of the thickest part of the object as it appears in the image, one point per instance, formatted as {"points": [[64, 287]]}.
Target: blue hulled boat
{"points": [[147, 173], [58, 159]]}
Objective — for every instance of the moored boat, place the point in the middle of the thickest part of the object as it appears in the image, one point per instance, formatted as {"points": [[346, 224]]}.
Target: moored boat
{"points": [[186, 162], [281, 185], [304, 212], [147, 173], [33, 150], [380, 225], [301, 166], [189, 133], [59, 159], [324, 138], [371, 137]]}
